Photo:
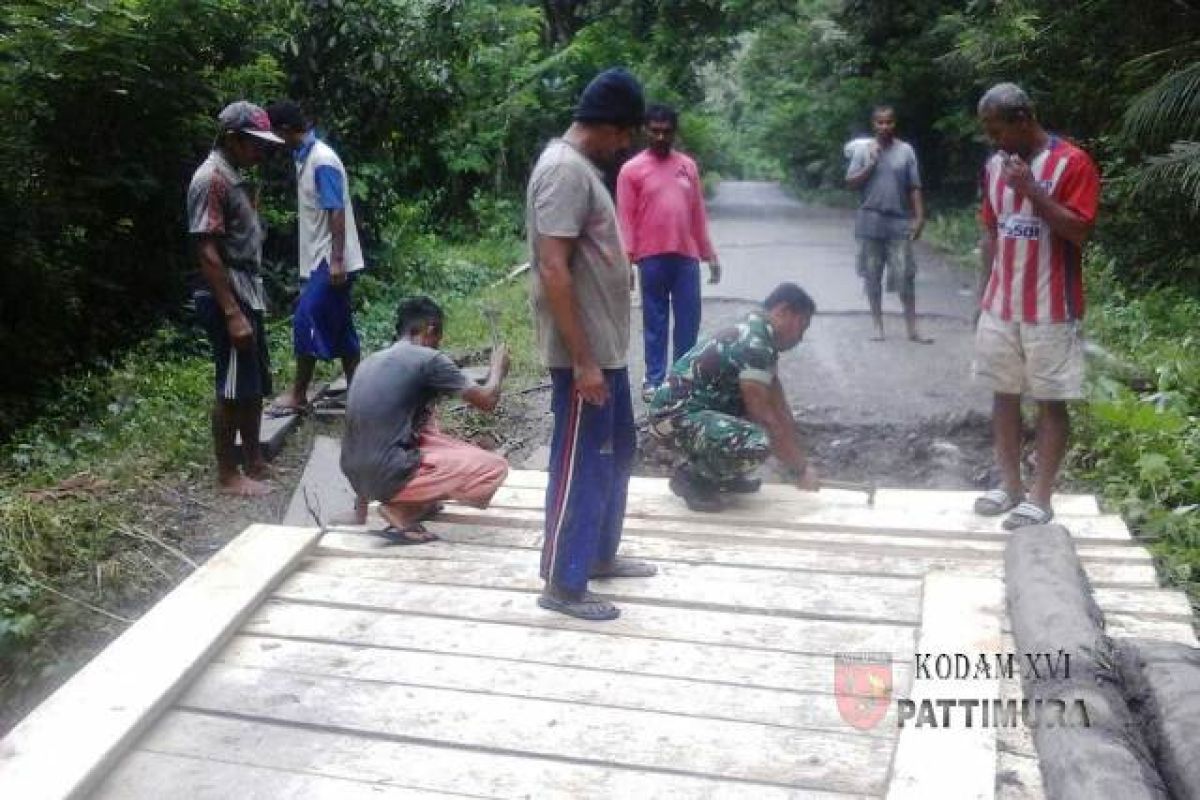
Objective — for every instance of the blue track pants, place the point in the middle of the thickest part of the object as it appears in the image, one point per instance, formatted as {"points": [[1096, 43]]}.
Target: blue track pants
{"points": [[591, 457]]}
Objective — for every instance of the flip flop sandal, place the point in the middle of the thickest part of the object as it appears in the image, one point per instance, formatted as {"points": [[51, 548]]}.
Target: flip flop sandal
{"points": [[995, 502], [627, 568], [589, 607], [433, 512], [1027, 514], [279, 412], [408, 535]]}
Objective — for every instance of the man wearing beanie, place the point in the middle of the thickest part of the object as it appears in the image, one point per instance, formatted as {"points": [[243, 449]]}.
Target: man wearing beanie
{"points": [[580, 286]]}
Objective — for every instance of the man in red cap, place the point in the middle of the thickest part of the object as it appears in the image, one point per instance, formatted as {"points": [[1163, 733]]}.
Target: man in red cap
{"points": [[227, 236]]}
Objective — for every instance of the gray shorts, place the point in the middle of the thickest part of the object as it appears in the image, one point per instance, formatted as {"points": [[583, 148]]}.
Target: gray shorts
{"points": [[1044, 361], [894, 254]]}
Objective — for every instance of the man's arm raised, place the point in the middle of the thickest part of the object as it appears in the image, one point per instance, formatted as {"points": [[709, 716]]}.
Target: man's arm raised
{"points": [[554, 260], [486, 397]]}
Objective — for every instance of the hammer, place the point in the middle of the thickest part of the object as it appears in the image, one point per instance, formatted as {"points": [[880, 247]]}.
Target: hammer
{"points": [[851, 486]]}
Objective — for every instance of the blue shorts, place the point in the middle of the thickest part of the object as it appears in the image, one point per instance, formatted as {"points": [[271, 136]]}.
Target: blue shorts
{"points": [[323, 326]]}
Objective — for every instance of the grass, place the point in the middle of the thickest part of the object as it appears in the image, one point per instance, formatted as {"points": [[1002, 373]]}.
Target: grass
{"points": [[1142, 449], [956, 232]]}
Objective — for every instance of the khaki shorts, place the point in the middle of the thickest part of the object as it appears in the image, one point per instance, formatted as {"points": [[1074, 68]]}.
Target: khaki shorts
{"points": [[1044, 361]]}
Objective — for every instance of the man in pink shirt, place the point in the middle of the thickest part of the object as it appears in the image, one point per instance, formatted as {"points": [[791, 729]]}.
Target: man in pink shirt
{"points": [[660, 205]]}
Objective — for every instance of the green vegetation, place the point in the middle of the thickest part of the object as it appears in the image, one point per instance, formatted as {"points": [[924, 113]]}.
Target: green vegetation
{"points": [[438, 107], [1142, 449], [70, 482]]}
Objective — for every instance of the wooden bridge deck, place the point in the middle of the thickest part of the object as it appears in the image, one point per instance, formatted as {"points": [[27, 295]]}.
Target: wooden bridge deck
{"points": [[303, 665]]}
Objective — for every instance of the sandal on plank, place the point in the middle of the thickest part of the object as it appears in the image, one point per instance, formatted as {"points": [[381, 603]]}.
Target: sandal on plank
{"points": [[625, 568], [433, 511], [275, 411], [589, 607], [409, 534], [995, 502], [1027, 514]]}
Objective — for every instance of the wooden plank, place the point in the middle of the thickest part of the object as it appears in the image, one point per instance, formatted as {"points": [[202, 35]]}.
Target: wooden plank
{"points": [[789, 634], [958, 616], [595, 648], [1018, 778], [761, 590], [416, 765], [885, 498], [507, 546], [71, 739], [715, 529], [1017, 739], [144, 776], [1161, 603], [273, 431], [637, 739], [807, 512], [328, 490], [1142, 627], [582, 685]]}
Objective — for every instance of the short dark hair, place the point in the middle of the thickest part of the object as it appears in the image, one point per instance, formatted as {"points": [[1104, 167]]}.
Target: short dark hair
{"points": [[412, 312], [882, 107], [792, 296], [662, 113], [287, 114]]}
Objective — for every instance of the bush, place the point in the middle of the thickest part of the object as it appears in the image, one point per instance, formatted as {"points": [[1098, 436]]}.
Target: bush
{"points": [[1143, 450]]}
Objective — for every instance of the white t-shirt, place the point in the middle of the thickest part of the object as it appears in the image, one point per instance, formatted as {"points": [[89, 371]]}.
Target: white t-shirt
{"points": [[316, 236]]}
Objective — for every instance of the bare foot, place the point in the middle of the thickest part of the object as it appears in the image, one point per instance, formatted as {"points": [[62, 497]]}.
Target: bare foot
{"points": [[260, 471], [242, 486]]}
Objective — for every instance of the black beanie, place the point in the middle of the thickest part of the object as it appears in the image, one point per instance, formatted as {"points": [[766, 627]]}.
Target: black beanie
{"points": [[614, 96]]}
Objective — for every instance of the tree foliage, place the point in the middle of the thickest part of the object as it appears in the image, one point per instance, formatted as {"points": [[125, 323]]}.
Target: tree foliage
{"points": [[1126, 85], [437, 106]]}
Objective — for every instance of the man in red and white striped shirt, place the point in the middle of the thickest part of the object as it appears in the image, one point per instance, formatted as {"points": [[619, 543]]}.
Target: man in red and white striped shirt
{"points": [[1040, 195]]}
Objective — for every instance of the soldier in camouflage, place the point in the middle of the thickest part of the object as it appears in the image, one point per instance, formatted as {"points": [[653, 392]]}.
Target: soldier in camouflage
{"points": [[723, 409]]}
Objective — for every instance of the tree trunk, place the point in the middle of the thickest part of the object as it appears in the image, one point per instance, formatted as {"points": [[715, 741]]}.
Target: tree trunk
{"points": [[562, 20]]}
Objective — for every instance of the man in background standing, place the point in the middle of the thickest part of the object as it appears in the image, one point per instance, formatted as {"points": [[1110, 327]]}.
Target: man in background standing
{"points": [[660, 203], [890, 218], [1040, 195], [329, 257], [227, 236], [580, 286]]}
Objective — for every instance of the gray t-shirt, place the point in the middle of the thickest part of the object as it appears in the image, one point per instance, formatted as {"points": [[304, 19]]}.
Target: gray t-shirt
{"points": [[885, 210], [389, 402], [567, 198]]}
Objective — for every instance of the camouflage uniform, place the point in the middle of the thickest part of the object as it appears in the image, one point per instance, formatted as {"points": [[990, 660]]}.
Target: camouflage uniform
{"points": [[699, 411]]}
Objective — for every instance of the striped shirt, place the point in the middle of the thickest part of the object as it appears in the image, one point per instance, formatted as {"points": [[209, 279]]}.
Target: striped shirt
{"points": [[1037, 275]]}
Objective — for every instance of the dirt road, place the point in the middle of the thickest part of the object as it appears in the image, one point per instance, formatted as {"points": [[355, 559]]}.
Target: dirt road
{"points": [[897, 412]]}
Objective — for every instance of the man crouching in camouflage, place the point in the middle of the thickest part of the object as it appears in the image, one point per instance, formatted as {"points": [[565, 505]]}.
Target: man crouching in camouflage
{"points": [[723, 410]]}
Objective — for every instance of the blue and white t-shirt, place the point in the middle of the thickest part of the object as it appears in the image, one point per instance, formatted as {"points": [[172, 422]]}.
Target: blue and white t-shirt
{"points": [[322, 188]]}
